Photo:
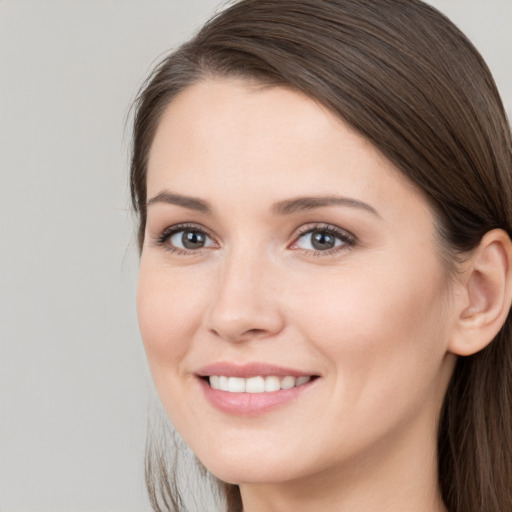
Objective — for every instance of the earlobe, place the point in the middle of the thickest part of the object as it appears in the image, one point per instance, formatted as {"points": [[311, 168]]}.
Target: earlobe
{"points": [[487, 295]]}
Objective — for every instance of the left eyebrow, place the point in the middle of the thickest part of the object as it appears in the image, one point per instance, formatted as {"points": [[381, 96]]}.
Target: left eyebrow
{"points": [[300, 204], [192, 203]]}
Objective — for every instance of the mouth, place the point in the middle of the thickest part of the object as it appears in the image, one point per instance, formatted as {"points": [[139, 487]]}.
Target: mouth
{"points": [[257, 384], [254, 388]]}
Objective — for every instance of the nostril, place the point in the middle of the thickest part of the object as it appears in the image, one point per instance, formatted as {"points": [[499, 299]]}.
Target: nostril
{"points": [[241, 335], [255, 332]]}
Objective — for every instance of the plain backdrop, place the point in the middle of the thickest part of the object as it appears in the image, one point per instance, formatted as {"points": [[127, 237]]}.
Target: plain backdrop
{"points": [[75, 392]]}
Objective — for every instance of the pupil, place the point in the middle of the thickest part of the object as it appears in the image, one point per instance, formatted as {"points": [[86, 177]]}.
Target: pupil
{"points": [[192, 240], [322, 241]]}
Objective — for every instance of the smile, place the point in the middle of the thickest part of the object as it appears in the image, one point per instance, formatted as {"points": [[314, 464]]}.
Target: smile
{"points": [[253, 389], [257, 384]]}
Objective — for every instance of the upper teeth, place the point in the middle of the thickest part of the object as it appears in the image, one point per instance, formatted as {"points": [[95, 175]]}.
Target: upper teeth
{"points": [[255, 384]]}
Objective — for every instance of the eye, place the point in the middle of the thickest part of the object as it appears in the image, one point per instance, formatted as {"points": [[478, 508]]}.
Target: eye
{"points": [[323, 239], [184, 239], [190, 239]]}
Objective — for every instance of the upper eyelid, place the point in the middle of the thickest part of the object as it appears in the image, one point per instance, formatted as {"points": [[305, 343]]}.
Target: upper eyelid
{"points": [[323, 226], [190, 226]]}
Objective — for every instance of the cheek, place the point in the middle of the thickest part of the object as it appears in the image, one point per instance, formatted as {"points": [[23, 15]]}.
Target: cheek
{"points": [[378, 327], [383, 334], [169, 309], [168, 313]]}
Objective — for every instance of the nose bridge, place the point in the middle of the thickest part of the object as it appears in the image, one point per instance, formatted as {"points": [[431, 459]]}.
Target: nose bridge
{"points": [[244, 305]]}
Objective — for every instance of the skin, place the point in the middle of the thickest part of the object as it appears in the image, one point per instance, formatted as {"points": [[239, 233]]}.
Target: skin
{"points": [[373, 319]]}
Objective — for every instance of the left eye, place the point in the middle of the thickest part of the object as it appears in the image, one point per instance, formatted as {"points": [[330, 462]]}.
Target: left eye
{"points": [[320, 240], [190, 239]]}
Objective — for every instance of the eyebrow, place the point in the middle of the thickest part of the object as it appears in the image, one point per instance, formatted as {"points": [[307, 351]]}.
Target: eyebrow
{"points": [[301, 204], [286, 207], [192, 203]]}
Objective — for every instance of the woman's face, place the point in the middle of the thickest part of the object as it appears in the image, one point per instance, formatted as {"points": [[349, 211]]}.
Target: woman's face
{"points": [[285, 256]]}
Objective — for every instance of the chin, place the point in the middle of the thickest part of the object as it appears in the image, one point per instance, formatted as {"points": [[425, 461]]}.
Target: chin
{"points": [[251, 472], [254, 466]]}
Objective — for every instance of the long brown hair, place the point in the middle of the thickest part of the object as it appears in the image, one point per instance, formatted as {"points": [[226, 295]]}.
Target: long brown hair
{"points": [[403, 76]]}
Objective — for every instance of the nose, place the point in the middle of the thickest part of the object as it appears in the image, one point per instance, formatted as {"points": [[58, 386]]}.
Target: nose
{"points": [[245, 303]]}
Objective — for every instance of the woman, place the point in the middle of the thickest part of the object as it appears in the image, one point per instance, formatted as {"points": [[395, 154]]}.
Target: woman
{"points": [[324, 193]]}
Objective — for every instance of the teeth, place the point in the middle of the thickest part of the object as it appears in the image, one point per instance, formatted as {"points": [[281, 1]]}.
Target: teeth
{"points": [[288, 382], [272, 384], [302, 380], [255, 384], [215, 382], [236, 385], [223, 383]]}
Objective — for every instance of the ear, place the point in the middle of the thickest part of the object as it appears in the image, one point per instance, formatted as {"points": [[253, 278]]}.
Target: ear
{"points": [[484, 304]]}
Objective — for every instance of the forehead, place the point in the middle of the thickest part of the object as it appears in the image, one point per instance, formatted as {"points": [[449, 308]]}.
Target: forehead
{"points": [[228, 137], [216, 118]]}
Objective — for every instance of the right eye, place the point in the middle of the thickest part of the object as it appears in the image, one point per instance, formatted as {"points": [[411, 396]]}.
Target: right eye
{"points": [[185, 239], [190, 240]]}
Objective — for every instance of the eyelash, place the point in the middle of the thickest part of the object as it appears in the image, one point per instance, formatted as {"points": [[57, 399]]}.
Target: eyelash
{"points": [[348, 240], [162, 239]]}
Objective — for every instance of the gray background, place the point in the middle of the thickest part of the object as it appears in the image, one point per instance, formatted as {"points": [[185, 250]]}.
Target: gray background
{"points": [[75, 392]]}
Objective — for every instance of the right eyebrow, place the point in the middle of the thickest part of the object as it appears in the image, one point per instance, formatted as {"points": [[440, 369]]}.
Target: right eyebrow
{"points": [[298, 204], [192, 203]]}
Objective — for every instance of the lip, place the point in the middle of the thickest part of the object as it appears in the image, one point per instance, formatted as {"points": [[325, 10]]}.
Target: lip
{"points": [[251, 404], [247, 370]]}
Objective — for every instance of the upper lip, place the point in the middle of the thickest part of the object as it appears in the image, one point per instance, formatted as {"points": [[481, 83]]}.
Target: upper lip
{"points": [[247, 370]]}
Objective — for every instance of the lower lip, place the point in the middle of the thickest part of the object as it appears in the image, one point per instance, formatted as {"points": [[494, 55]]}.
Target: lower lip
{"points": [[251, 404]]}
